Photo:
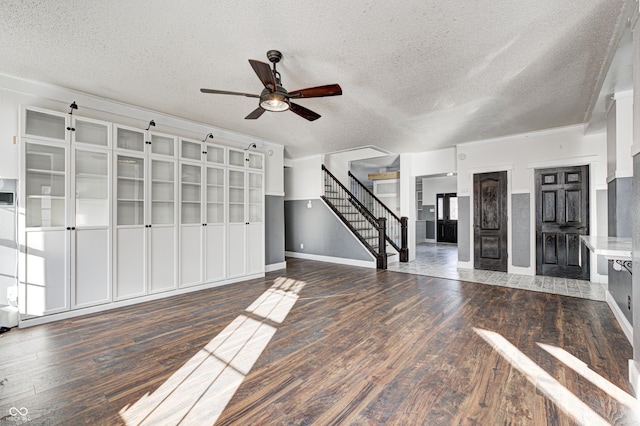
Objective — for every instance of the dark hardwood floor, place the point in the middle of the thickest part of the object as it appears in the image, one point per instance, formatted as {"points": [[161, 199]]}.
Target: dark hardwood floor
{"points": [[358, 346]]}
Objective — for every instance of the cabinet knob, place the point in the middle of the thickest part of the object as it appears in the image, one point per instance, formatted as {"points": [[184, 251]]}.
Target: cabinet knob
{"points": [[71, 129], [73, 228], [68, 228]]}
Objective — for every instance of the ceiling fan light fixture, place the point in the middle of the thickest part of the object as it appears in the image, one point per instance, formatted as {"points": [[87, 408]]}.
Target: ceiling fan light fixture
{"points": [[275, 102]]}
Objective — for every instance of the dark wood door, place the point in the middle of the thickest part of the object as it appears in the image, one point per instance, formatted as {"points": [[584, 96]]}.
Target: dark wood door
{"points": [[447, 224], [490, 221], [562, 215]]}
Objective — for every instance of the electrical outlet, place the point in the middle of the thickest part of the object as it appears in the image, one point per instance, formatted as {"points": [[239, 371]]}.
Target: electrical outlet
{"points": [[301, 246]]}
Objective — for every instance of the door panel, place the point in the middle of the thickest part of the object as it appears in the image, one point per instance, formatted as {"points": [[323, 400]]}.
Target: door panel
{"points": [[490, 219], [162, 255], [216, 256], [92, 277], [562, 215], [191, 255], [130, 258], [47, 274]]}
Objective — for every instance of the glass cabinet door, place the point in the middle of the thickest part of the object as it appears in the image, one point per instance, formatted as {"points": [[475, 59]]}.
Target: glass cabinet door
{"points": [[45, 125], [130, 187], [190, 190], [91, 183], [163, 145], [236, 158], [130, 139], [190, 150], [255, 197], [91, 132], [215, 154], [162, 192], [236, 196], [215, 195], [255, 161], [45, 184]]}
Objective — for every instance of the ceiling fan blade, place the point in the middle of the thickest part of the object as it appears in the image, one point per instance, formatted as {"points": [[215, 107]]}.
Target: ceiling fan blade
{"points": [[304, 112], [225, 92], [317, 92], [256, 113], [264, 74]]}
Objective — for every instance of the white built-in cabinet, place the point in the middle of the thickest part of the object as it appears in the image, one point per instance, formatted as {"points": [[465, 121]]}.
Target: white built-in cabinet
{"points": [[202, 220], [146, 232], [245, 213], [65, 192], [113, 212]]}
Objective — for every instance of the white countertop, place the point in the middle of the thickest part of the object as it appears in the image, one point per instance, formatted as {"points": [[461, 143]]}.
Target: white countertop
{"points": [[613, 248]]}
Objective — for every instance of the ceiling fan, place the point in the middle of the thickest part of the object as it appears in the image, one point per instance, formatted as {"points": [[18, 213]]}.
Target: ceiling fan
{"points": [[274, 97]]}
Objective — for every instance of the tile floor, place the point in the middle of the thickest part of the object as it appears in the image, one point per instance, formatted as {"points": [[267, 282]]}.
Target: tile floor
{"points": [[440, 260]]}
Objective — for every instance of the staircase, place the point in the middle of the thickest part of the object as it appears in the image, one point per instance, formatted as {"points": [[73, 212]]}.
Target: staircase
{"points": [[370, 230]]}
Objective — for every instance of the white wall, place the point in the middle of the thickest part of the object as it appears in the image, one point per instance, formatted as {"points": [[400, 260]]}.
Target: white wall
{"points": [[437, 185], [338, 163], [525, 152], [433, 162], [620, 136], [274, 170], [303, 180]]}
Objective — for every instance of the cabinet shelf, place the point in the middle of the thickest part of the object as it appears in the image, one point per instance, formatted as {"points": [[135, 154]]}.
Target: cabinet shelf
{"points": [[46, 172], [92, 198], [163, 201], [191, 183], [48, 197], [136, 200], [163, 181], [190, 202], [92, 176], [133, 179]]}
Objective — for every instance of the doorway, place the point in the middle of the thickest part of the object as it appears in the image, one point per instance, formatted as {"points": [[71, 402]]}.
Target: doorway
{"points": [[562, 216], [447, 213], [490, 221]]}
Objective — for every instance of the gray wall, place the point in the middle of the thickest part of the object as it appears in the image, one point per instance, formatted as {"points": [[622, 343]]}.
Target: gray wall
{"points": [[429, 213], [620, 207], [521, 230], [464, 226], [274, 229], [321, 232], [602, 203], [620, 193]]}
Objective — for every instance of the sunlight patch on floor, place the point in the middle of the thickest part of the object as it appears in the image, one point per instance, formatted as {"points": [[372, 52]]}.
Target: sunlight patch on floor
{"points": [[566, 401], [201, 389], [583, 369]]}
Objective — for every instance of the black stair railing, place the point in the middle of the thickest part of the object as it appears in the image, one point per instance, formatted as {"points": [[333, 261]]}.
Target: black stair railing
{"points": [[371, 231], [397, 234]]}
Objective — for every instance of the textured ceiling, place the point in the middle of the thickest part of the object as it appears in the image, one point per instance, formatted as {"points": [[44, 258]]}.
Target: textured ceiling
{"points": [[416, 75]]}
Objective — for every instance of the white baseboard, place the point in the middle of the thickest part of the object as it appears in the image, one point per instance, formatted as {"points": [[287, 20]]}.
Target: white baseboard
{"points": [[626, 327], [30, 322], [275, 267], [465, 265], [519, 270], [329, 259]]}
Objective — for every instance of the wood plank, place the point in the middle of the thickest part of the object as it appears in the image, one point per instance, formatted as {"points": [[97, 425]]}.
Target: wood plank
{"points": [[359, 346]]}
